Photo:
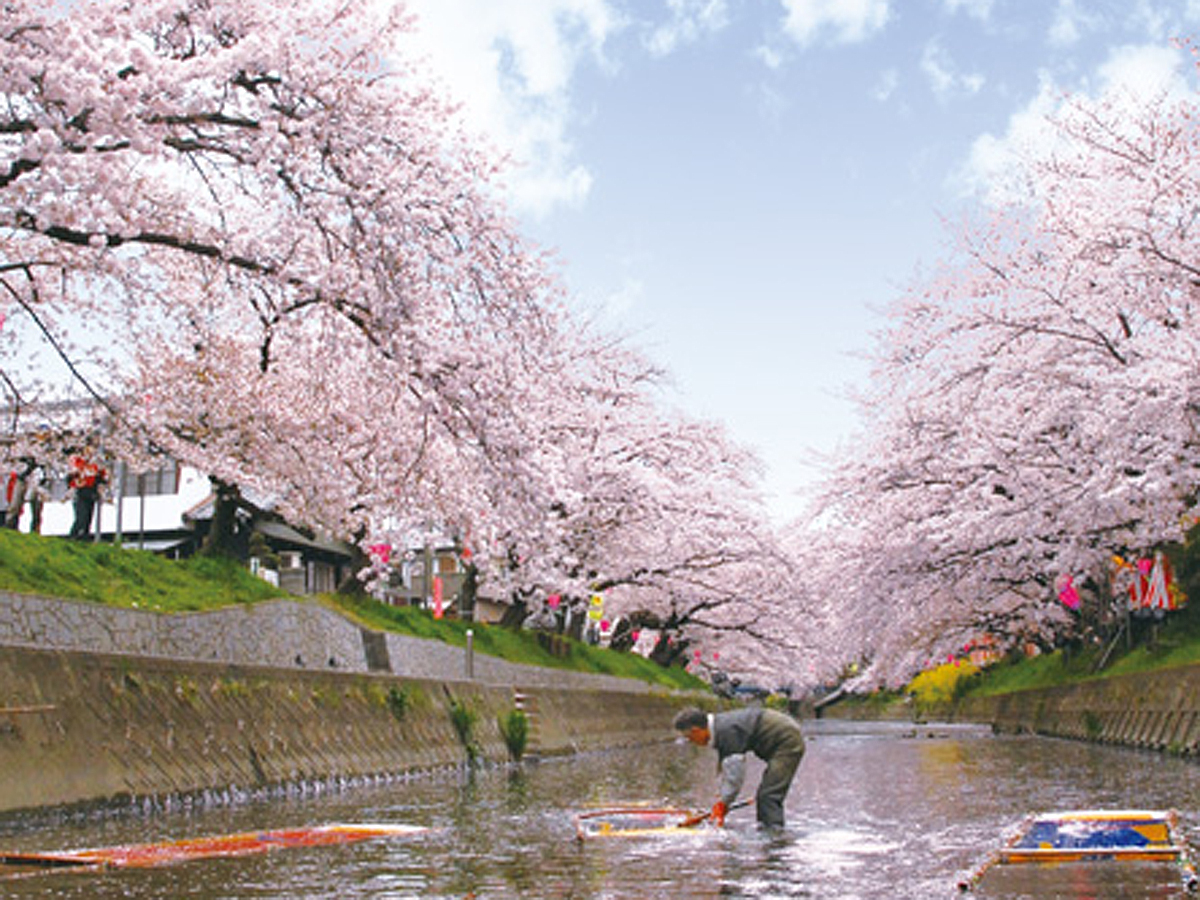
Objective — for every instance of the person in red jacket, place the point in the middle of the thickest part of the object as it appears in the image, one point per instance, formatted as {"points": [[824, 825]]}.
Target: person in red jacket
{"points": [[85, 477]]}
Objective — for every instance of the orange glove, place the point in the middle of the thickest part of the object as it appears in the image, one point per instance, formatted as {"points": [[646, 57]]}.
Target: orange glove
{"points": [[718, 813]]}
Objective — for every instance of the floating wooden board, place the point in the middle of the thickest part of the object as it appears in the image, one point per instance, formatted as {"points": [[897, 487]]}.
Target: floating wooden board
{"points": [[634, 821], [226, 845], [1082, 836]]}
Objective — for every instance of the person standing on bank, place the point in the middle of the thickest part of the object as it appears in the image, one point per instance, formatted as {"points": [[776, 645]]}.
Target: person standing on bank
{"points": [[85, 478], [774, 737], [25, 483]]}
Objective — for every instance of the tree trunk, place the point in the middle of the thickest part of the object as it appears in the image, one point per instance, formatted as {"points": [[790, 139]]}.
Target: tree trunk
{"points": [[577, 614], [351, 585], [669, 650], [514, 615], [221, 540], [622, 637]]}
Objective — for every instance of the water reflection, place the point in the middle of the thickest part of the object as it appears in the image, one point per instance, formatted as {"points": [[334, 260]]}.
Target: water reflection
{"points": [[875, 811]]}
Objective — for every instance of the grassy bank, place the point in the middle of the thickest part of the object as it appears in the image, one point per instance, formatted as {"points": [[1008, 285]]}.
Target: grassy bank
{"points": [[133, 579], [1148, 646], [515, 646], [137, 579]]}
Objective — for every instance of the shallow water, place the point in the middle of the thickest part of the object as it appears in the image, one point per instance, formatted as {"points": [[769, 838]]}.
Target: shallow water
{"points": [[881, 810]]}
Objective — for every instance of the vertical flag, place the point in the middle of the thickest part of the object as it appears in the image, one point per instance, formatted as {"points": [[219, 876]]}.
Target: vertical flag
{"points": [[1067, 593], [1158, 595]]}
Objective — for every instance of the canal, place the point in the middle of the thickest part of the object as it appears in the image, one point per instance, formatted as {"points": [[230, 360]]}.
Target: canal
{"points": [[877, 810]]}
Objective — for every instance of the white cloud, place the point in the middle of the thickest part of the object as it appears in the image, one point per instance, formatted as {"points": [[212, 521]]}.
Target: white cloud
{"points": [[1157, 22], [690, 20], [850, 20], [1128, 79], [1069, 24], [992, 170], [625, 298], [1164, 21], [943, 76], [773, 59], [886, 86], [510, 64], [979, 9], [1132, 74]]}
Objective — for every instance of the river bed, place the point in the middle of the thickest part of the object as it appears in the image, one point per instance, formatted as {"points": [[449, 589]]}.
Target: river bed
{"points": [[877, 810]]}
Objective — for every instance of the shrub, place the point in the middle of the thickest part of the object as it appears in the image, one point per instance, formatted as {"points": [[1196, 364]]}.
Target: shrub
{"points": [[945, 684], [514, 726], [398, 702], [464, 719]]}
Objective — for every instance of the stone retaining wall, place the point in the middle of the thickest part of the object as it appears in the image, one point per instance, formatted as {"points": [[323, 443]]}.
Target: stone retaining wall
{"points": [[78, 727], [1155, 711], [291, 634]]}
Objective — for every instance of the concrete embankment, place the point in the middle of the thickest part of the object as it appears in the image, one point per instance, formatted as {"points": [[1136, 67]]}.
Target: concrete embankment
{"points": [[1151, 711], [79, 725], [88, 727], [1155, 710]]}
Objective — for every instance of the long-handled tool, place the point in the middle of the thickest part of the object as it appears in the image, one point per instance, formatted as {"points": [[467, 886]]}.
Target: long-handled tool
{"points": [[703, 817]]}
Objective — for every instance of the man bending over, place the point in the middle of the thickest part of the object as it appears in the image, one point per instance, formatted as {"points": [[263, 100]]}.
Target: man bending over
{"points": [[774, 737]]}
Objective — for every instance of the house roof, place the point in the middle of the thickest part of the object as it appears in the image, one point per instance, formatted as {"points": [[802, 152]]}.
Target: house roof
{"points": [[275, 530], [203, 510], [281, 532]]}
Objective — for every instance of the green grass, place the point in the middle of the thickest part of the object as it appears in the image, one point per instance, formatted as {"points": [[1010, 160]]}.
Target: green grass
{"points": [[116, 576], [514, 646], [1174, 642], [137, 579], [1029, 674]]}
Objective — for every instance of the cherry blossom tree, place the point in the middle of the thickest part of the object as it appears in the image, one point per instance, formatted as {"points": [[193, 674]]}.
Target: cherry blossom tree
{"points": [[1033, 407], [670, 529], [657, 512], [275, 226], [253, 233]]}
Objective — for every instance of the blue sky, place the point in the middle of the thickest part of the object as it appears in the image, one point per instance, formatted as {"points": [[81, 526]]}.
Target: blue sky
{"points": [[742, 185]]}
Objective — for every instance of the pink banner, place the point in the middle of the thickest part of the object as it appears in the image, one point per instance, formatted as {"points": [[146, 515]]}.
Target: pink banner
{"points": [[1067, 592]]}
